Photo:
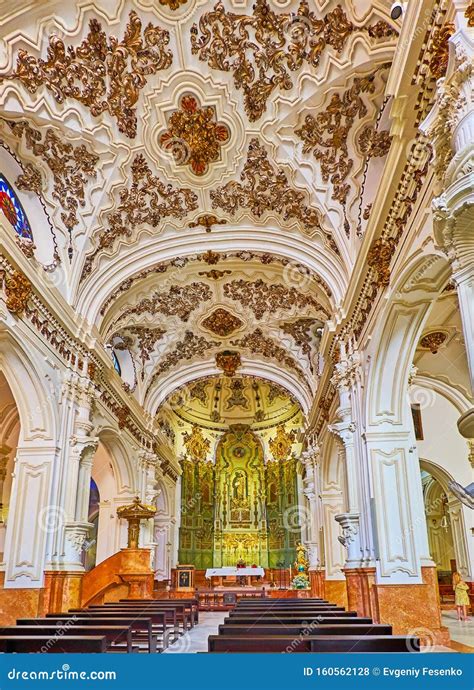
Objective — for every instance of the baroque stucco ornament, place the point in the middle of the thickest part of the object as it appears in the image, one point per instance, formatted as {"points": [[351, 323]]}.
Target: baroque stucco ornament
{"points": [[263, 49], [18, 291], [222, 323], [102, 73], [265, 188], [146, 200], [194, 137]]}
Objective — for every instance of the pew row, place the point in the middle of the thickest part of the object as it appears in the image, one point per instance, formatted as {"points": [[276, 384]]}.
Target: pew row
{"points": [[320, 643]]}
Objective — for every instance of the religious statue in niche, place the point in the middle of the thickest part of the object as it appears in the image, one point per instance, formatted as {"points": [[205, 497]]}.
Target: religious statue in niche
{"points": [[239, 502]]}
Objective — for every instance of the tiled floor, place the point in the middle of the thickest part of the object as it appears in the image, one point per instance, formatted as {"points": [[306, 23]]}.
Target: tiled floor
{"points": [[195, 640]]}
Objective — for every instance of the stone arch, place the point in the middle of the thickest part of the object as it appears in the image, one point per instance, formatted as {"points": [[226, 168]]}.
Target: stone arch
{"points": [[113, 472], [157, 394], [27, 378], [36, 453], [96, 289], [457, 515], [333, 496], [165, 529], [396, 336]]}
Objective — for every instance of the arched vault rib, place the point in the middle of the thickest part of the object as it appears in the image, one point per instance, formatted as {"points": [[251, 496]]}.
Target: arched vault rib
{"points": [[98, 288], [170, 382]]}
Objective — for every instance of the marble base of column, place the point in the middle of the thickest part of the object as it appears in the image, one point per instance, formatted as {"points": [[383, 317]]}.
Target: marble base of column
{"points": [[62, 591], [414, 609], [361, 596], [316, 579]]}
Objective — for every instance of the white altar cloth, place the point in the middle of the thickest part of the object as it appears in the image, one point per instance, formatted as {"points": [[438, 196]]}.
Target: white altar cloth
{"points": [[230, 570]]}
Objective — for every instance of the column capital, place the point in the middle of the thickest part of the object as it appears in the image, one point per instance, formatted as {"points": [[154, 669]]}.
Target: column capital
{"points": [[80, 444], [345, 430], [350, 527]]}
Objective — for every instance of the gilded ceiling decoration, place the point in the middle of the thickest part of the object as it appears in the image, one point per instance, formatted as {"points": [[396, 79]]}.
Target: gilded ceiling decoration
{"points": [[194, 137], [280, 446], [71, 168], [220, 402], [263, 49], [144, 201], [298, 270], [198, 391], [259, 344], [237, 397], [262, 297], [326, 136], [196, 445], [215, 274], [301, 331], [173, 4], [146, 340], [440, 51], [265, 187], [274, 392], [379, 257], [433, 341], [191, 346], [374, 144], [469, 14], [207, 220], [103, 73], [228, 361], [178, 301], [18, 291], [222, 323]]}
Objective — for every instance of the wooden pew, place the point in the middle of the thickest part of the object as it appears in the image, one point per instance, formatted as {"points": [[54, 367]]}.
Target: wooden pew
{"points": [[320, 644], [323, 620], [147, 625], [184, 613], [192, 604], [66, 645], [281, 602], [288, 618], [302, 629], [114, 634], [174, 615]]}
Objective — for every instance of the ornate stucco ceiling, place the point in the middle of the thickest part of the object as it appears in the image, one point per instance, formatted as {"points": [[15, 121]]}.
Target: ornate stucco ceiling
{"points": [[195, 416], [204, 195]]}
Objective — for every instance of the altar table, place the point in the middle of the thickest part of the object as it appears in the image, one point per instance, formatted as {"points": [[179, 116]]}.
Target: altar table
{"points": [[235, 572]]}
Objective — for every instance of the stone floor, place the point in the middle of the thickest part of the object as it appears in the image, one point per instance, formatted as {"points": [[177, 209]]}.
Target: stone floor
{"points": [[195, 640], [461, 632]]}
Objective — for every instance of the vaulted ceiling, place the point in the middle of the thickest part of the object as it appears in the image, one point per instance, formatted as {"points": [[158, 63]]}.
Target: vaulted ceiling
{"points": [[206, 172]]}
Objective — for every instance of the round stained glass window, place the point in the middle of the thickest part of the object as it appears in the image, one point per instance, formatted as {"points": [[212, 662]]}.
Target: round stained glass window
{"points": [[13, 210]]}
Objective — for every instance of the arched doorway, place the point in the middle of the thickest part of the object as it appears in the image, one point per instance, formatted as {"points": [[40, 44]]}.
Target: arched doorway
{"points": [[9, 433]]}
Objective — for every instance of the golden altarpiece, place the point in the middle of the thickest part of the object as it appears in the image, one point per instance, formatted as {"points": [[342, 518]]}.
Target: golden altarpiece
{"points": [[241, 508]]}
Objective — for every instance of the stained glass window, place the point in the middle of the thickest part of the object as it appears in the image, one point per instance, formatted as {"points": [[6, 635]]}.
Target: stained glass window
{"points": [[117, 366], [12, 209]]}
